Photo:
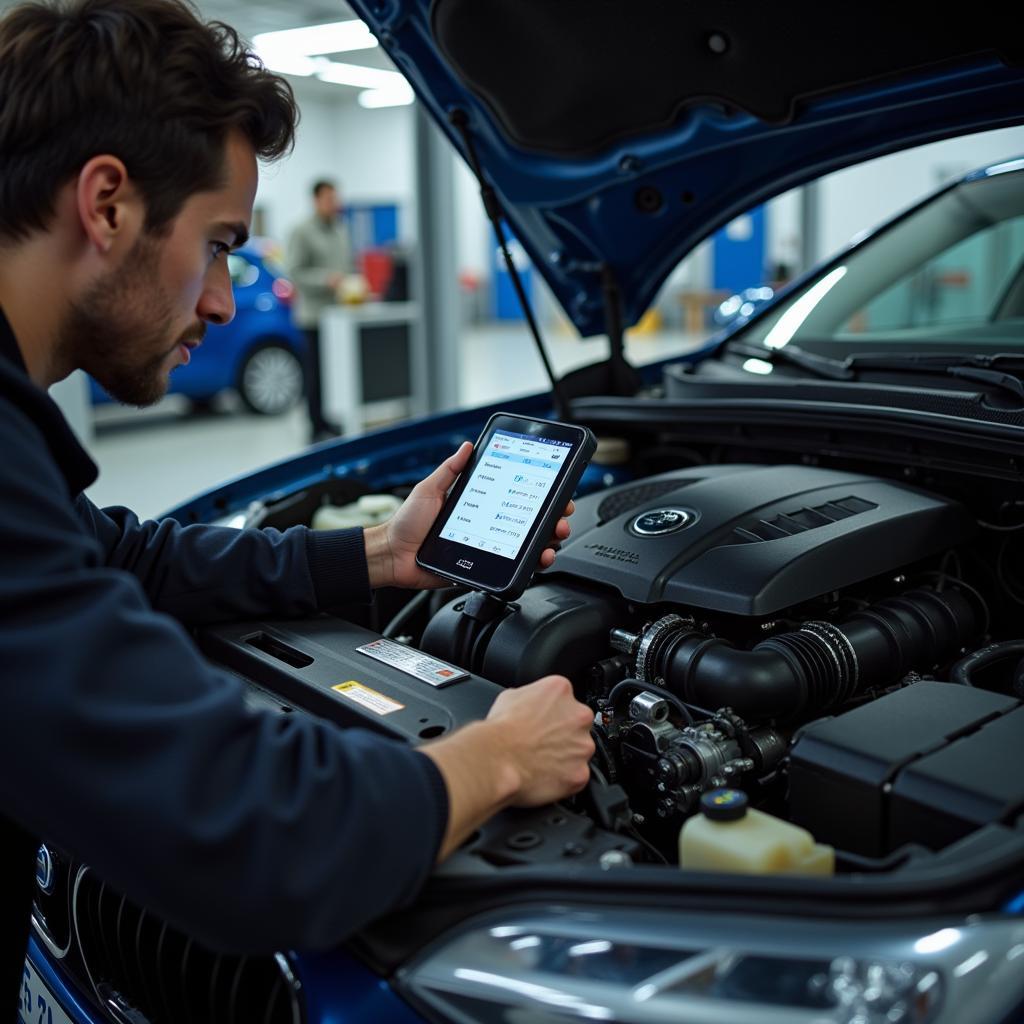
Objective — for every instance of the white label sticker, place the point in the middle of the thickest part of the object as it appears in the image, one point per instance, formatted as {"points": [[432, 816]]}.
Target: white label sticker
{"points": [[413, 662], [370, 699]]}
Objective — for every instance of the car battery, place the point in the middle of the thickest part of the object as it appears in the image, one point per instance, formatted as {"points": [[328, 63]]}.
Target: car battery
{"points": [[850, 779]]}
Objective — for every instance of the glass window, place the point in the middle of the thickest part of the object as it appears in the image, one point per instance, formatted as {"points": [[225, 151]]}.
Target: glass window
{"points": [[949, 274]]}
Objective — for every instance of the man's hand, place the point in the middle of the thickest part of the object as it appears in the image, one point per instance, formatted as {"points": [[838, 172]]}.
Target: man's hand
{"points": [[533, 748], [391, 547], [545, 734]]}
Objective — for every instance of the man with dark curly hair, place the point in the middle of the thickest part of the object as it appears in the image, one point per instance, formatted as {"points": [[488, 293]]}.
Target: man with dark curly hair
{"points": [[129, 138]]}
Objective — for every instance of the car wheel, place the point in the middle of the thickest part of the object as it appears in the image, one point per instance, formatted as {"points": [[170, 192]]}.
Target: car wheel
{"points": [[270, 380]]}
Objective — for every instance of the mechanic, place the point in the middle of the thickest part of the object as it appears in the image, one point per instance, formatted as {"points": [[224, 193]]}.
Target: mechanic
{"points": [[129, 138], [319, 257]]}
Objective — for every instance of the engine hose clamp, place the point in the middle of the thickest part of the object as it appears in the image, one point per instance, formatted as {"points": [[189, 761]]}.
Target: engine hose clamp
{"points": [[652, 640], [837, 643]]}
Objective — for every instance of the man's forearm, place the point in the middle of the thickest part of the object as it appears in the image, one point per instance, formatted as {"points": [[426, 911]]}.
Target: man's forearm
{"points": [[480, 776]]}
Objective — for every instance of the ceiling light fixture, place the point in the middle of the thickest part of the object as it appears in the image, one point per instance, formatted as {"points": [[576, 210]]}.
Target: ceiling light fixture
{"points": [[312, 40], [359, 76], [374, 99], [300, 52]]}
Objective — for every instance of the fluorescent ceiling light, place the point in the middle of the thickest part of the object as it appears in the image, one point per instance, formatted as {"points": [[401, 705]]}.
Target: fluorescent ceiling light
{"points": [[359, 76], [337, 37], [283, 64], [373, 99], [300, 52]]}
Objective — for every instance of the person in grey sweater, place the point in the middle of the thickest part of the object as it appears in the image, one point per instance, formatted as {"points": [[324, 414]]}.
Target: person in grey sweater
{"points": [[319, 256]]}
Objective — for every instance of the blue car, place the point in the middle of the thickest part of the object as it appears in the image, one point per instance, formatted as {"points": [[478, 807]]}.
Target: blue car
{"points": [[258, 354], [792, 598]]}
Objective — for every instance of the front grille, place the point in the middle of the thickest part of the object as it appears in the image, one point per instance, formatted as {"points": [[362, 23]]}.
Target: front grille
{"points": [[143, 971]]}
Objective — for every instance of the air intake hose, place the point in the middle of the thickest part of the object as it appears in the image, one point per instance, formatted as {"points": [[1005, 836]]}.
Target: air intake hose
{"points": [[818, 666]]}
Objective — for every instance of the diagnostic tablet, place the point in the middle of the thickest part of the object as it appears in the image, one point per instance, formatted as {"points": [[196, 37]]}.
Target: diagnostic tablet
{"points": [[503, 509]]}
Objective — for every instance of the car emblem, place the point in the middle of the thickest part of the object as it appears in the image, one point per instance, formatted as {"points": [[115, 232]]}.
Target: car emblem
{"points": [[660, 521], [45, 875]]}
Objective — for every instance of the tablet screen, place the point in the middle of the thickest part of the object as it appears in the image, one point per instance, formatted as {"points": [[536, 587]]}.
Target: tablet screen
{"points": [[503, 497]]}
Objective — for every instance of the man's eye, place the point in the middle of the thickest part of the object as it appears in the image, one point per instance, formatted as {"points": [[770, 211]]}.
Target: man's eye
{"points": [[219, 249]]}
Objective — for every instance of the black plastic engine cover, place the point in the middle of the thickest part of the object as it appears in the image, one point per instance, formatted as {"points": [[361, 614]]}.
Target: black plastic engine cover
{"points": [[752, 540]]}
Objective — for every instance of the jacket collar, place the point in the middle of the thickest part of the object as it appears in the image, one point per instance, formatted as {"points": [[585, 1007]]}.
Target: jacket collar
{"points": [[9, 349], [15, 386]]}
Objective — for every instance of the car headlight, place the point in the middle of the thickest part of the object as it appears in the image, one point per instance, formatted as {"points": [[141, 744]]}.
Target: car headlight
{"points": [[547, 966]]}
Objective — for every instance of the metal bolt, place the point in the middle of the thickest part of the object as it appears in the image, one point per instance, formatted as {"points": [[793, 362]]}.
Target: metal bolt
{"points": [[718, 43], [615, 859]]}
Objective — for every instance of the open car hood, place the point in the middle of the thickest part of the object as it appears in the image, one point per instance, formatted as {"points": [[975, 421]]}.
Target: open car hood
{"points": [[618, 135]]}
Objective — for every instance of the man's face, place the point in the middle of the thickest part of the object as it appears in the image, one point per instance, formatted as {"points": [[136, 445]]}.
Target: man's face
{"points": [[139, 321], [327, 204]]}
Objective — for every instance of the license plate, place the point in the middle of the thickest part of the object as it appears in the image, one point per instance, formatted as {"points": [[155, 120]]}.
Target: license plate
{"points": [[38, 1003]]}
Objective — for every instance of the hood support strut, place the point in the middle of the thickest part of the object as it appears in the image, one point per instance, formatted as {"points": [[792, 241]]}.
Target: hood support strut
{"points": [[614, 376], [492, 207]]}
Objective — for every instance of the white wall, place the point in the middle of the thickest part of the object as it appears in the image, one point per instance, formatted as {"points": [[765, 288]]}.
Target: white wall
{"points": [[368, 152], [474, 239], [375, 161], [783, 230], [284, 189], [859, 198]]}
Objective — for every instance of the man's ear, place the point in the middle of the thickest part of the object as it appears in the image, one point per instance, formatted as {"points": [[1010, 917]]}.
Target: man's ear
{"points": [[109, 205]]}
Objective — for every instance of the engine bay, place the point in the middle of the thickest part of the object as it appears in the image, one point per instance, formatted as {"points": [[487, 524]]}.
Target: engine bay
{"points": [[836, 645]]}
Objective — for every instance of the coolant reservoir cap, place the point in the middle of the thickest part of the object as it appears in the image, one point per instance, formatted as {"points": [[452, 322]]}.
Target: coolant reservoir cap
{"points": [[724, 804]]}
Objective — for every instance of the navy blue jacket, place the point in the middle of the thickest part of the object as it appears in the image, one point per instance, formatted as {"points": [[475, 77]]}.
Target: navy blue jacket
{"points": [[118, 742]]}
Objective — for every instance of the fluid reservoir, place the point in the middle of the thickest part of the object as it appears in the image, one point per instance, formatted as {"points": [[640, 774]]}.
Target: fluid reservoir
{"points": [[730, 836], [369, 510]]}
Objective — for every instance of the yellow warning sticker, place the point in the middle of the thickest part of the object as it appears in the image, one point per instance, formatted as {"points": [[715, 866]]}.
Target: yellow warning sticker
{"points": [[369, 699]]}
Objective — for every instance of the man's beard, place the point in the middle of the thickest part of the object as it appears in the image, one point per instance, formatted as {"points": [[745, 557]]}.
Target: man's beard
{"points": [[120, 331]]}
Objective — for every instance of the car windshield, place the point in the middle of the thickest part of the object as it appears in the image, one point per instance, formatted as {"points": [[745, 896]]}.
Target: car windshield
{"points": [[947, 277]]}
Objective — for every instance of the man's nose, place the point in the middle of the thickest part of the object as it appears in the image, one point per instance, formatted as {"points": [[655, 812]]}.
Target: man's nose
{"points": [[217, 303]]}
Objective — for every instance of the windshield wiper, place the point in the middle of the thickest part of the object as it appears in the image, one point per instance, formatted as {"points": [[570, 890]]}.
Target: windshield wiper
{"points": [[820, 366], [1003, 370]]}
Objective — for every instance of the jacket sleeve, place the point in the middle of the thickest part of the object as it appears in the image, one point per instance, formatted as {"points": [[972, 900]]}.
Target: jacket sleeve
{"points": [[250, 830], [203, 574]]}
